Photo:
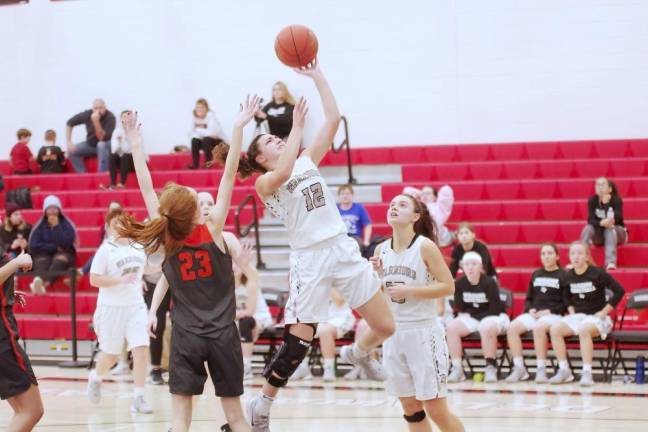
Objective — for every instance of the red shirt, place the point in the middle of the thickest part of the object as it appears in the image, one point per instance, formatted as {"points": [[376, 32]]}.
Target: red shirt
{"points": [[20, 157]]}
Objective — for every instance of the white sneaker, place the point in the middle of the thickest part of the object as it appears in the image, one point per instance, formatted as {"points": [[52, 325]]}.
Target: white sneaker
{"points": [[140, 406], [586, 379], [519, 373], [94, 391], [121, 369], [329, 375], [353, 374], [490, 374], [37, 286], [247, 373], [541, 376], [303, 372], [371, 367], [562, 376], [259, 422], [456, 375]]}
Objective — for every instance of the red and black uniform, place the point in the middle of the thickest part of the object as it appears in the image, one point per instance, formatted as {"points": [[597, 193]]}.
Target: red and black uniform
{"points": [[16, 374], [201, 281]]}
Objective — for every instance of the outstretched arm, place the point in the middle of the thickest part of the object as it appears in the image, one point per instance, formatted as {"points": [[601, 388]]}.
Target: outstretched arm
{"points": [[218, 213], [132, 133], [272, 180], [326, 133]]}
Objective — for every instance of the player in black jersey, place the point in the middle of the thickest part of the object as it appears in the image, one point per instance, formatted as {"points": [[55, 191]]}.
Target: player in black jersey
{"points": [[198, 270], [17, 381]]}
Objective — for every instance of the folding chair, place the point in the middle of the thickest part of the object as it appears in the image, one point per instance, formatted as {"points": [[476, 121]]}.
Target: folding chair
{"points": [[628, 339]]}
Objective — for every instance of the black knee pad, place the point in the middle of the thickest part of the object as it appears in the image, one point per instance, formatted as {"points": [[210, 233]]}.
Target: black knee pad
{"points": [[417, 417], [246, 325], [286, 360]]}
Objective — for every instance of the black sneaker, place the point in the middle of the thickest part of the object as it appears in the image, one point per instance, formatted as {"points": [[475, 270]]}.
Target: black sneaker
{"points": [[156, 377]]}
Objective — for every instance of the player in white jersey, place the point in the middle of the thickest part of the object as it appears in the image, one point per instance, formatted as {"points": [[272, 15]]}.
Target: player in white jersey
{"points": [[416, 279], [323, 256]]}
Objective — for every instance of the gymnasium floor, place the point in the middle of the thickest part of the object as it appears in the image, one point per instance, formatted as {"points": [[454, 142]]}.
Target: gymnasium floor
{"points": [[348, 407]]}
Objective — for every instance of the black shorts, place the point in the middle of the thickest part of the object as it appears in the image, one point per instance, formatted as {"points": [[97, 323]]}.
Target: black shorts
{"points": [[222, 352], [16, 374]]}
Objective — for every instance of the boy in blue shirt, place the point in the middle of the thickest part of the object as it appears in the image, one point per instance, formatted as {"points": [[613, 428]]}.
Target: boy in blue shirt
{"points": [[354, 216]]}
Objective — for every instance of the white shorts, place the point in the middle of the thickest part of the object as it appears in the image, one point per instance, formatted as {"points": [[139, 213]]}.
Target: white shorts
{"points": [[502, 320], [529, 322], [577, 321], [335, 263], [416, 363], [113, 324]]}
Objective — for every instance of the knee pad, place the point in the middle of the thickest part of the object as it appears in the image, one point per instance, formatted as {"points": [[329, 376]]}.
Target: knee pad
{"points": [[246, 325], [286, 360], [415, 418]]}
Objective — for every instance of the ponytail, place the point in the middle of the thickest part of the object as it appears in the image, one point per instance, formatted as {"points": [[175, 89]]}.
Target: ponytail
{"points": [[247, 165], [425, 225]]}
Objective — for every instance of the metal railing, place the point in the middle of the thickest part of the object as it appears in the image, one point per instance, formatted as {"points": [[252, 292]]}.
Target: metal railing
{"points": [[346, 144], [244, 231]]}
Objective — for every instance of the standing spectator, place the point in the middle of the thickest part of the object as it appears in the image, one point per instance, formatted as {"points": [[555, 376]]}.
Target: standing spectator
{"points": [[469, 243], [21, 157], [100, 124], [605, 220], [354, 216], [439, 205], [206, 133], [52, 243], [121, 156], [50, 157], [14, 232], [279, 112]]}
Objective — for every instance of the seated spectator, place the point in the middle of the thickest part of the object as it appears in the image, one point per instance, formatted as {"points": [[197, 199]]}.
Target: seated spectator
{"points": [[479, 308], [50, 156], [14, 233], [100, 125], [52, 244], [588, 309], [21, 157], [278, 112], [440, 207], [469, 243], [205, 134], [340, 321], [121, 157], [544, 306], [354, 216], [605, 220]]}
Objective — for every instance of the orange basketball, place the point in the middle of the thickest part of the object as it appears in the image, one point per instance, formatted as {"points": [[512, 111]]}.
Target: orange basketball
{"points": [[296, 45]]}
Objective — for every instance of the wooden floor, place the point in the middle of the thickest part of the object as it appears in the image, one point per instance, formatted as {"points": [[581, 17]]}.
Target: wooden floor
{"points": [[345, 407]]}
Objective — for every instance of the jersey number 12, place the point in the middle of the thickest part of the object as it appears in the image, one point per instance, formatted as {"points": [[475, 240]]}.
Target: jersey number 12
{"points": [[314, 196], [187, 271]]}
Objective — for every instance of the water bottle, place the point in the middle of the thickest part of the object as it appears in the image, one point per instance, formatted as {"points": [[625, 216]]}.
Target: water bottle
{"points": [[640, 370]]}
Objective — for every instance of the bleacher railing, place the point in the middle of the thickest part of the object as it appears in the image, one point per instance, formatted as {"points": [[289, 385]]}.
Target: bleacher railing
{"points": [[244, 231], [345, 144]]}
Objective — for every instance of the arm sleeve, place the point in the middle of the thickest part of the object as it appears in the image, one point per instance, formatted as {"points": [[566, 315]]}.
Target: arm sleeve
{"points": [[283, 121], [65, 234], [59, 156], [567, 299], [458, 298], [529, 295], [214, 128], [607, 281], [488, 260], [364, 216], [41, 153], [78, 119], [617, 205], [591, 212]]}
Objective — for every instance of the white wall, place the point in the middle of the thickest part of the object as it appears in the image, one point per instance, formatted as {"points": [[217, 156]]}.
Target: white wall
{"points": [[406, 72]]}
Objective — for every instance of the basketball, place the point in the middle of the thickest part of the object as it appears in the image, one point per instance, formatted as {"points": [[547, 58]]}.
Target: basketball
{"points": [[296, 46]]}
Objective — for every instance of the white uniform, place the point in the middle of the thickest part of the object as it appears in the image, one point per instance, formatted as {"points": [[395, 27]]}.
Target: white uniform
{"points": [[323, 255], [416, 356], [121, 312], [262, 314]]}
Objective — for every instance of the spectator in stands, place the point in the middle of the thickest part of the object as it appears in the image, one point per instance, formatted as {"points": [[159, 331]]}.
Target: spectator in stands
{"points": [[469, 243], [439, 205], [605, 220], [100, 125], [205, 134], [15, 231], [480, 309], [544, 306], [50, 156], [589, 310], [52, 243], [278, 112], [355, 216], [121, 157], [21, 157], [340, 321]]}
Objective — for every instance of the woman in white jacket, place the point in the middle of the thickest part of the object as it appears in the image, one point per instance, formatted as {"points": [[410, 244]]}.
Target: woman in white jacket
{"points": [[205, 134]]}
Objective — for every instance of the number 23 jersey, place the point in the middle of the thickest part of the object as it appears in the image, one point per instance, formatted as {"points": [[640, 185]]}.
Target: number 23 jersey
{"points": [[306, 206]]}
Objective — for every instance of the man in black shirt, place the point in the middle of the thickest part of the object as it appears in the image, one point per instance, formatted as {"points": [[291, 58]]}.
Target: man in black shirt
{"points": [[100, 124]]}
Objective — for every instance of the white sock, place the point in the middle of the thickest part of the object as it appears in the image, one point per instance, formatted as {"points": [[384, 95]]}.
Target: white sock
{"points": [[138, 392], [358, 352], [541, 363], [456, 363], [563, 365], [94, 376], [247, 361], [265, 402], [587, 367], [329, 364], [518, 362]]}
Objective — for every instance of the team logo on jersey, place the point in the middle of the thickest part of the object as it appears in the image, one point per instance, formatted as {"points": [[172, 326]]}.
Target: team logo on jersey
{"points": [[582, 288], [545, 282], [476, 298], [400, 270], [295, 181]]}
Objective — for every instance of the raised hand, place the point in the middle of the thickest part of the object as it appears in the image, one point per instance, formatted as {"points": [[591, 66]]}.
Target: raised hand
{"points": [[310, 69], [20, 298], [248, 109], [299, 112], [131, 126]]}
